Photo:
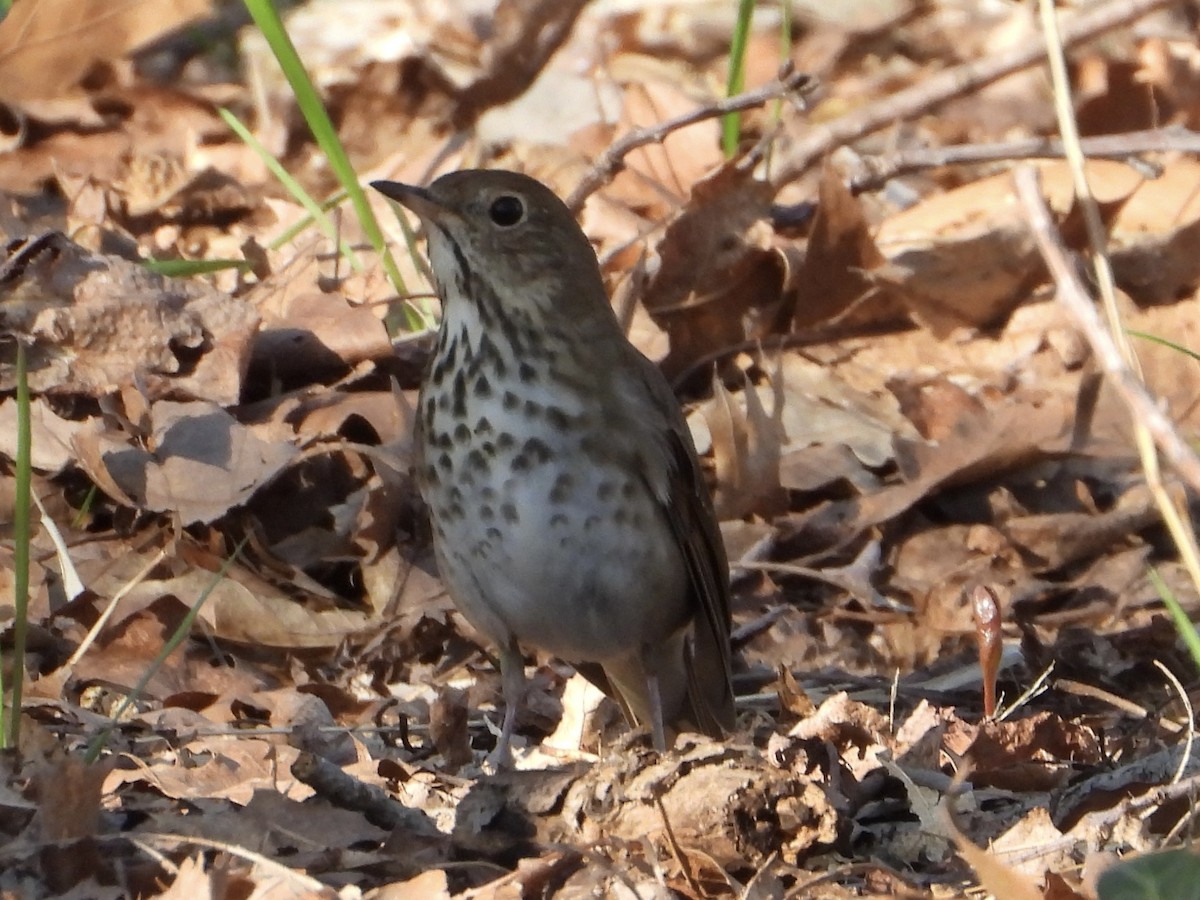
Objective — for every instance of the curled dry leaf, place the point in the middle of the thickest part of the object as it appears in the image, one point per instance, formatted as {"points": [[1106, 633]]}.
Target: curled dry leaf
{"points": [[792, 697], [234, 770], [389, 414], [713, 268], [985, 441], [50, 435], [737, 806], [746, 448], [96, 323], [1038, 751], [200, 462], [966, 258], [968, 267], [126, 649], [69, 793], [821, 430], [307, 334], [822, 409], [448, 727], [837, 263], [159, 188], [260, 616], [1156, 236]]}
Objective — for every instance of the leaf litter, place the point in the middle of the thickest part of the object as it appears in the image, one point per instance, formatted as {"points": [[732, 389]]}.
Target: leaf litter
{"points": [[896, 414]]}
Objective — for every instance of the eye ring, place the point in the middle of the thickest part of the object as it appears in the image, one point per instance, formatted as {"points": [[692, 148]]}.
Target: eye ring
{"points": [[506, 211]]}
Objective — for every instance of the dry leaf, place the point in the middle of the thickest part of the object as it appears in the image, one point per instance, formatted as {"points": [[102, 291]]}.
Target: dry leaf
{"points": [[46, 46], [199, 462], [98, 323]]}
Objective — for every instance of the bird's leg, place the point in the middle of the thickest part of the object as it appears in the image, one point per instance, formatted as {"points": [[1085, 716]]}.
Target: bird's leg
{"points": [[512, 679], [654, 696]]}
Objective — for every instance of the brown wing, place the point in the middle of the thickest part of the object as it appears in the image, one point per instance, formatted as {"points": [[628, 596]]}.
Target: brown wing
{"points": [[709, 658], [689, 510]]}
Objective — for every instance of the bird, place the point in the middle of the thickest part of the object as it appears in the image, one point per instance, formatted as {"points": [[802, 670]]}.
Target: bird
{"points": [[569, 510]]}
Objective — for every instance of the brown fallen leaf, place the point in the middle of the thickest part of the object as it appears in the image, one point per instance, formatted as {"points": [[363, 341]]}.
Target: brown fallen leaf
{"points": [[840, 255], [97, 323], [966, 258], [69, 792], [50, 435], [714, 267], [46, 46], [200, 462], [994, 874], [746, 446], [309, 334]]}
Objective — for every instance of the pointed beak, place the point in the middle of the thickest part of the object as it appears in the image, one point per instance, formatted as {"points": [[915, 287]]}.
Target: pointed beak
{"points": [[419, 200]]}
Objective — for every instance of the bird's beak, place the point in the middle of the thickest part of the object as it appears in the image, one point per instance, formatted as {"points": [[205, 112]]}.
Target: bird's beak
{"points": [[419, 200]]}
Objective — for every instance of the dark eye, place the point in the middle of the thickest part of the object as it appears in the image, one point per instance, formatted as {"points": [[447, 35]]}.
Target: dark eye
{"points": [[507, 211]]}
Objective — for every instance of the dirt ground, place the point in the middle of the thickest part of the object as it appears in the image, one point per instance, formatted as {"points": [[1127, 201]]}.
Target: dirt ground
{"points": [[956, 672]]}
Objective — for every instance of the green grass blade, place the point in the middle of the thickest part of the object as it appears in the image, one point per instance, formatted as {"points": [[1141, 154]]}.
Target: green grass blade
{"points": [[293, 187], [266, 17], [1183, 625], [184, 268], [177, 637], [21, 537], [1155, 339], [731, 124]]}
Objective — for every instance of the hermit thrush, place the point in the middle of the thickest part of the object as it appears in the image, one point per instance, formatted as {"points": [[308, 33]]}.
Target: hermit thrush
{"points": [[569, 512]]}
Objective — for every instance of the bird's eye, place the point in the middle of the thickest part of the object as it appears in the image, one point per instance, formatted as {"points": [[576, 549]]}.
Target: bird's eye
{"points": [[507, 211]]}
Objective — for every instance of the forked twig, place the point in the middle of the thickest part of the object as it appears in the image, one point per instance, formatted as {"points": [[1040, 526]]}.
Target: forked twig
{"points": [[1078, 303], [956, 81], [612, 160], [872, 172]]}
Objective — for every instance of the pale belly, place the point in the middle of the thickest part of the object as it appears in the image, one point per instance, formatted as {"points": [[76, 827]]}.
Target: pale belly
{"points": [[539, 542]]}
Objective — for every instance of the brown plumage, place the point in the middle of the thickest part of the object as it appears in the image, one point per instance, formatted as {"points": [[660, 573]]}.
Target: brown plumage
{"points": [[568, 507]]}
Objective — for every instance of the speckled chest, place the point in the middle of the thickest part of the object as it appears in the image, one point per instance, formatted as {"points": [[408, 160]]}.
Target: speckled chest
{"points": [[503, 435], [543, 529], [540, 531]]}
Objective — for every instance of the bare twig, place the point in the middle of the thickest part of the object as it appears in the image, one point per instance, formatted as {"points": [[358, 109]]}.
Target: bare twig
{"points": [[954, 82], [1125, 705], [1147, 422], [1191, 720], [1038, 687], [347, 792], [612, 160], [1078, 304], [873, 172]]}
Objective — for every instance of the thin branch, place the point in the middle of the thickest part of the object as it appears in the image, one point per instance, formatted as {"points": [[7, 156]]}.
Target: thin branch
{"points": [[872, 172], [612, 160], [1078, 304], [954, 82], [1191, 720], [347, 792]]}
